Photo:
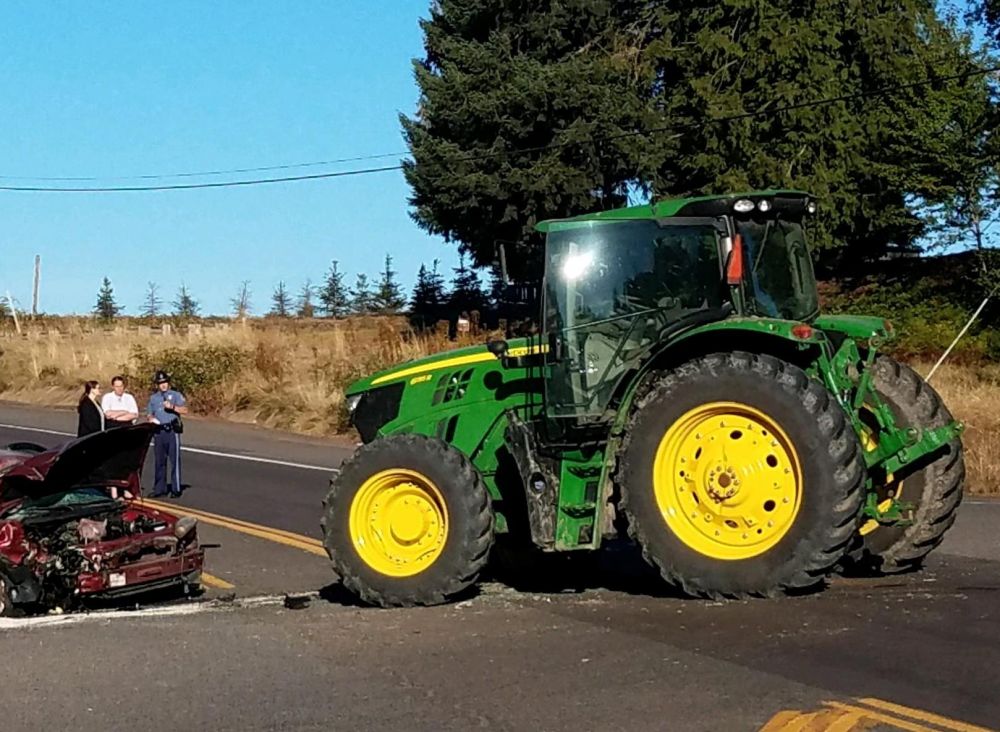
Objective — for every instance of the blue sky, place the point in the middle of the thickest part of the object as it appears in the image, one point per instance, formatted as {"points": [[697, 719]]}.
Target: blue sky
{"points": [[118, 89]]}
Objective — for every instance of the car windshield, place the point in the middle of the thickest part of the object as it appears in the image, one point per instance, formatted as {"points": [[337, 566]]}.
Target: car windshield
{"points": [[64, 502], [779, 269]]}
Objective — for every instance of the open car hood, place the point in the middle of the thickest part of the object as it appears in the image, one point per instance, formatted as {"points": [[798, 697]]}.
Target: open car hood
{"points": [[112, 458]]}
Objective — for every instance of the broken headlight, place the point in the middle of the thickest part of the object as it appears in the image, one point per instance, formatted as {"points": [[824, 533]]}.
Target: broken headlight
{"points": [[185, 527]]}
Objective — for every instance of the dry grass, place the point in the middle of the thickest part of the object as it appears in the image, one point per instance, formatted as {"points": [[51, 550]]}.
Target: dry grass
{"points": [[972, 393], [292, 375]]}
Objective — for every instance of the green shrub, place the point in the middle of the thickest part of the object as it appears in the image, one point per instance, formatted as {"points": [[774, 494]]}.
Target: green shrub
{"points": [[199, 372]]}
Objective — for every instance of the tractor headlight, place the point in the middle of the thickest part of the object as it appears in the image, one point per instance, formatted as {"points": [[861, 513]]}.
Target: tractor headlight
{"points": [[811, 207], [352, 402], [744, 205], [764, 206]]}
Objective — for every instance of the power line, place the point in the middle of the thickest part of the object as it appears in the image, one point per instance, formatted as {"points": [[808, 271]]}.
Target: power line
{"points": [[205, 173], [673, 127]]}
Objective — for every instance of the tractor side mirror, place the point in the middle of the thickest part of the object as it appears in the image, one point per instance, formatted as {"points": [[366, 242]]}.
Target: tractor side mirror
{"points": [[497, 347]]}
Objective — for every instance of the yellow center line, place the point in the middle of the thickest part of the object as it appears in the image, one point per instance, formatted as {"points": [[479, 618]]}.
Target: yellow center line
{"points": [[297, 541], [212, 581], [879, 717], [929, 717], [179, 508]]}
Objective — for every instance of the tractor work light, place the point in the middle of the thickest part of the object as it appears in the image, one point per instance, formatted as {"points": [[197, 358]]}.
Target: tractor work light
{"points": [[764, 206], [811, 207], [744, 205]]}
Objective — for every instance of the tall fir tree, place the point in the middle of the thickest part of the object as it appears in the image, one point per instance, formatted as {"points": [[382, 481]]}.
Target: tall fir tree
{"points": [[334, 297], [152, 305], [305, 307], [106, 308], [185, 306], [388, 298], [281, 301], [674, 73], [361, 296], [427, 304], [466, 289]]}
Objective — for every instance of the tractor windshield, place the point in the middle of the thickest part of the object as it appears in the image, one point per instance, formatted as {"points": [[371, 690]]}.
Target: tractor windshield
{"points": [[611, 290], [782, 283]]}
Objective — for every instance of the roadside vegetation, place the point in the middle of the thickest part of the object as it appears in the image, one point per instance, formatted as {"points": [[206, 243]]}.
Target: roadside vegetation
{"points": [[290, 373]]}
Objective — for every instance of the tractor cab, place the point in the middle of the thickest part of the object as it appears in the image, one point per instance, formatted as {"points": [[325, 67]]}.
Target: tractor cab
{"points": [[621, 284]]}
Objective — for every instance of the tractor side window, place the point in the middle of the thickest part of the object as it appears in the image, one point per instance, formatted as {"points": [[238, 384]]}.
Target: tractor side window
{"points": [[611, 289]]}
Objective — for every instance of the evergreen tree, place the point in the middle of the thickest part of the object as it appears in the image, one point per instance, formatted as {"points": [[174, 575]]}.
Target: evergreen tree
{"points": [[334, 298], [241, 303], [305, 306], [468, 182], [428, 300], [674, 70], [185, 306], [106, 308], [361, 296], [874, 161], [388, 298], [466, 289], [152, 305], [281, 301]]}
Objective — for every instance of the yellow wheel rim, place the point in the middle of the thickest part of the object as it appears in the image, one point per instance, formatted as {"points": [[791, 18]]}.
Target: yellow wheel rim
{"points": [[399, 522], [727, 481]]}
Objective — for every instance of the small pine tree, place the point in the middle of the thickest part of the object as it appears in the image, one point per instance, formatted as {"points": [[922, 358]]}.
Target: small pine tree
{"points": [[281, 301], [106, 307], [241, 302], [466, 289], [152, 305], [335, 300], [388, 298], [305, 307], [185, 306], [428, 300], [361, 296]]}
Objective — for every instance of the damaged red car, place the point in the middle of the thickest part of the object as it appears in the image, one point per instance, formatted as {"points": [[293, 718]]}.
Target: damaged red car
{"points": [[63, 538]]}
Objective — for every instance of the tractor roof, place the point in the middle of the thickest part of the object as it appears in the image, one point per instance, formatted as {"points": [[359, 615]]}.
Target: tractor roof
{"points": [[694, 206]]}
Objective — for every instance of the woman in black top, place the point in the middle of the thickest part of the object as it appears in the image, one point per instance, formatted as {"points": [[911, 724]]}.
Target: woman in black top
{"points": [[89, 409]]}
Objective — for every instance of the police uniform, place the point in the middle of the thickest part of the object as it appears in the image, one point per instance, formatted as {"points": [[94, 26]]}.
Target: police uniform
{"points": [[166, 441]]}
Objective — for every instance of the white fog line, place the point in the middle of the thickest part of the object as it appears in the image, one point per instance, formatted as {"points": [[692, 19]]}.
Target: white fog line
{"points": [[198, 450], [270, 461], [192, 608], [37, 429]]}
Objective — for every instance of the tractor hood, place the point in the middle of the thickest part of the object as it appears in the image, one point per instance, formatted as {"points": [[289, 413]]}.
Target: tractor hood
{"points": [[112, 458], [419, 367]]}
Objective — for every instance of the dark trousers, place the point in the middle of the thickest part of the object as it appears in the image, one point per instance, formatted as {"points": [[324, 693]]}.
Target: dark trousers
{"points": [[167, 445]]}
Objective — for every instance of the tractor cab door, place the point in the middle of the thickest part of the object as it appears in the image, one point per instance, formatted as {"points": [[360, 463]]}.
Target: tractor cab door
{"points": [[613, 291]]}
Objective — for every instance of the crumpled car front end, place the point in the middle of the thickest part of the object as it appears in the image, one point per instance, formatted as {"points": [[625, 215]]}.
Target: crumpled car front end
{"points": [[63, 538]]}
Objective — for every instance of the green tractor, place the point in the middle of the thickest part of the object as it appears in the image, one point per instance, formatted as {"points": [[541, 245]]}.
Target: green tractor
{"points": [[683, 387]]}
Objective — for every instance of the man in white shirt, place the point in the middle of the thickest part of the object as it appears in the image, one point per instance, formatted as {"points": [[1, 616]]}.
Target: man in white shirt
{"points": [[119, 407]]}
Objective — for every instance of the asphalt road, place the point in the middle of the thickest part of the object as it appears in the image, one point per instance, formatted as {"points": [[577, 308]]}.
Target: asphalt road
{"points": [[918, 652]]}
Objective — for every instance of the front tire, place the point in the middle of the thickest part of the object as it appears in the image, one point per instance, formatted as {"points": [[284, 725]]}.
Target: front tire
{"points": [[407, 521], [740, 476]]}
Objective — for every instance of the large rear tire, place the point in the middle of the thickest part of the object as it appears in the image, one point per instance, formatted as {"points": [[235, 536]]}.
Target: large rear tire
{"points": [[740, 476], [407, 521], [935, 486]]}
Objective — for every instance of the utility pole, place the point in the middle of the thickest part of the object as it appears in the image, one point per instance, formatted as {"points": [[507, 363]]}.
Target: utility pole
{"points": [[34, 289]]}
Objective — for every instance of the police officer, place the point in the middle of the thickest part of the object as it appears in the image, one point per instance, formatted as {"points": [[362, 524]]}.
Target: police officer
{"points": [[165, 407]]}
